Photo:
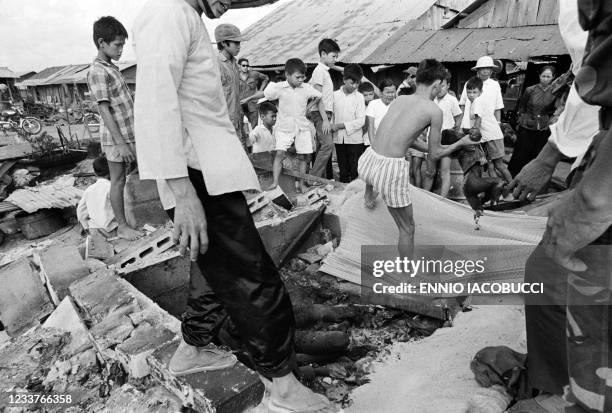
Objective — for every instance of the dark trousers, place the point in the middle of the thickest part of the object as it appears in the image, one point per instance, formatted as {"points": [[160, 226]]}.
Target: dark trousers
{"points": [[237, 292], [322, 163], [528, 145], [348, 156], [569, 327]]}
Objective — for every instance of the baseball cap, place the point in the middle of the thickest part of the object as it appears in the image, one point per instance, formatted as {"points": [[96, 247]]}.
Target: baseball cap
{"points": [[228, 32]]}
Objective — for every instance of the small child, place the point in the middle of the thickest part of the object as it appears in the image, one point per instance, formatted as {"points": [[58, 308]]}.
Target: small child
{"points": [[94, 210], [491, 105], [471, 158], [261, 137], [292, 126], [116, 106], [383, 166], [348, 121], [367, 90]]}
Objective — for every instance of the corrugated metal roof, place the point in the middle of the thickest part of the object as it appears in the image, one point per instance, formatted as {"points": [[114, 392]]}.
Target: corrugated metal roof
{"points": [[242, 4], [7, 73], [59, 194], [464, 45], [359, 26], [68, 74]]}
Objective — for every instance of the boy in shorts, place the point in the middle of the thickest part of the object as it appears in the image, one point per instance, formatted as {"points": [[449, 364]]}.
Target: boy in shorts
{"points": [[292, 126], [116, 106], [383, 166]]}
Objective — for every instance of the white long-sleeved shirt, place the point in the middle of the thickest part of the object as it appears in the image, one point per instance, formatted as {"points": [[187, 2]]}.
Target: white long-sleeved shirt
{"points": [[94, 209], [181, 118], [579, 122], [349, 109]]}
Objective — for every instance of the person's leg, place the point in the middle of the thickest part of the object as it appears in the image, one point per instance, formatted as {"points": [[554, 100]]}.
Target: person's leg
{"points": [[354, 152], [501, 167], [246, 282], [445, 176], [416, 171], [324, 148], [303, 166], [117, 177], [429, 168], [343, 162], [405, 223], [277, 168]]}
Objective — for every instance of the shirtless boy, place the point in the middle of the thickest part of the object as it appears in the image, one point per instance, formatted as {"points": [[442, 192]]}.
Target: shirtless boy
{"points": [[384, 167]]}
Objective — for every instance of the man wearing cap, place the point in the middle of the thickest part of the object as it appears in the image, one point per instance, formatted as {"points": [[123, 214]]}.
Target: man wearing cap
{"points": [[491, 97], [228, 38], [409, 83], [184, 136]]}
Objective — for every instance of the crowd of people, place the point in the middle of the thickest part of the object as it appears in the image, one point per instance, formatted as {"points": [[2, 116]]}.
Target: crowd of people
{"points": [[186, 129]]}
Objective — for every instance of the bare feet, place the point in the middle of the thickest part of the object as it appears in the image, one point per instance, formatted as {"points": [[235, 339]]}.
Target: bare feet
{"points": [[130, 234], [271, 187], [287, 394]]}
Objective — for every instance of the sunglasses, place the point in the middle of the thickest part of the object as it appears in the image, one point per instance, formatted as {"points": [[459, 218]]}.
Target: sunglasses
{"points": [[244, 65]]}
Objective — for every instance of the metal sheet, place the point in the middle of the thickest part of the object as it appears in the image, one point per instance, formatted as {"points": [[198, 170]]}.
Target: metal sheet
{"points": [[461, 45], [295, 29], [60, 194], [6, 73]]}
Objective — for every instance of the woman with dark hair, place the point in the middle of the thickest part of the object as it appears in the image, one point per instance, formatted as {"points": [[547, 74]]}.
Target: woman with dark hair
{"points": [[535, 109]]}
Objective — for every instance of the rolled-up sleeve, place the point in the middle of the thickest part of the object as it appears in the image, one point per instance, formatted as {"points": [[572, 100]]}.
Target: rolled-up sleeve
{"points": [[577, 124], [271, 92], [98, 84], [162, 45]]}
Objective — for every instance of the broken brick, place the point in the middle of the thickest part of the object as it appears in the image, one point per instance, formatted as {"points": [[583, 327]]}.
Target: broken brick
{"points": [[145, 339], [98, 247], [223, 391], [23, 298], [66, 318], [61, 266]]}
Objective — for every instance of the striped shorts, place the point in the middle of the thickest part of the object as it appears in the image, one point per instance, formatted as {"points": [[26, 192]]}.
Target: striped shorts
{"points": [[389, 176]]}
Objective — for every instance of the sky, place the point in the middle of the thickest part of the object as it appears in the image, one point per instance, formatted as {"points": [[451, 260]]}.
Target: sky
{"points": [[35, 34]]}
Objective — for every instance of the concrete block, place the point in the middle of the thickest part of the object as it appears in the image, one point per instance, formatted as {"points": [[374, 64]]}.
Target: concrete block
{"points": [[66, 318], [98, 247], [225, 391], [142, 204], [145, 339], [257, 202], [145, 252], [61, 266], [278, 196], [129, 399], [114, 329], [23, 297]]}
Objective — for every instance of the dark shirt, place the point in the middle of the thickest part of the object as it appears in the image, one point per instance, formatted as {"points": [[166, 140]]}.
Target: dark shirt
{"points": [[536, 106], [249, 86]]}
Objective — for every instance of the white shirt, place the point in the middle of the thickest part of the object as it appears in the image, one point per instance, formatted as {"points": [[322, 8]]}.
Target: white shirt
{"points": [[491, 95], [489, 128], [262, 139], [579, 121], [320, 76], [490, 101], [349, 110], [180, 119], [450, 108], [377, 110], [94, 209], [292, 105]]}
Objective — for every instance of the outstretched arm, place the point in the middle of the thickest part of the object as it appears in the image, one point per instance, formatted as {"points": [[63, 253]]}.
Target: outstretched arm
{"points": [[435, 148]]}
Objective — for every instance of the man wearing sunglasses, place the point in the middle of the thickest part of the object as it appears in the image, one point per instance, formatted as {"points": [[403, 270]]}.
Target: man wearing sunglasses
{"points": [[251, 81], [409, 84]]}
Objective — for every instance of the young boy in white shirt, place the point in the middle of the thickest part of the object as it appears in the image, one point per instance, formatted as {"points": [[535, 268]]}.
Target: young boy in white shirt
{"points": [[292, 125], [261, 138], [451, 119], [367, 90], [94, 210], [492, 136], [348, 121], [322, 82]]}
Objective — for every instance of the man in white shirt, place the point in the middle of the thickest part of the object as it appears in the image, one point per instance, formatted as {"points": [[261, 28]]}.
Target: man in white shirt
{"points": [[349, 118], [185, 137]]}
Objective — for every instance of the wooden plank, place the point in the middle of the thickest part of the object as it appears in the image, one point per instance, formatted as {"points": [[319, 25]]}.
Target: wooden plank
{"points": [[513, 13], [20, 150], [476, 17], [548, 12], [531, 12], [500, 13]]}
